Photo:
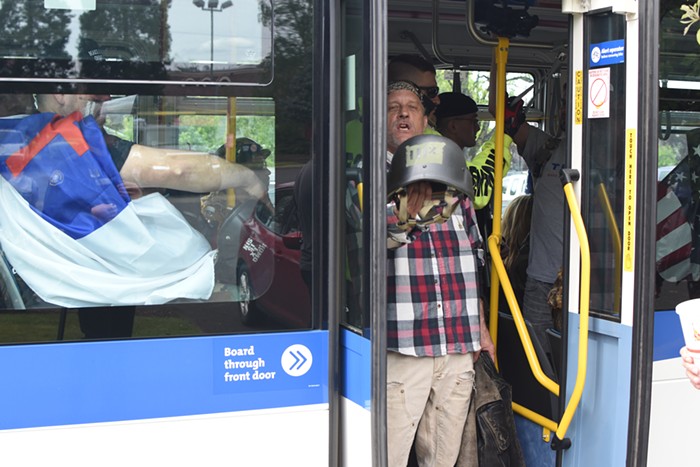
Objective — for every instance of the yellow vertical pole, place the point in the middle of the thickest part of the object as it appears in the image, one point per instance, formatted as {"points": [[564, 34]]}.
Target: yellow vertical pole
{"points": [[231, 144], [501, 60]]}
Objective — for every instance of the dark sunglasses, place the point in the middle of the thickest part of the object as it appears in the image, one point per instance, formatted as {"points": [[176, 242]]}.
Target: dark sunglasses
{"points": [[430, 91]]}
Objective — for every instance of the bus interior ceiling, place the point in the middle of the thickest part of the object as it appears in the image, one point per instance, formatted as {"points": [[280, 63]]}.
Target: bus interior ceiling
{"points": [[449, 40]]}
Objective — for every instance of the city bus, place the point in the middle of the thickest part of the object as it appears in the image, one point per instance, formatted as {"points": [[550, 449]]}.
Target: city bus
{"points": [[262, 367]]}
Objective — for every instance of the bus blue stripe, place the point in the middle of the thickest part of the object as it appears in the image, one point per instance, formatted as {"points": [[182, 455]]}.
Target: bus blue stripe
{"points": [[86, 382], [668, 337], [356, 368]]}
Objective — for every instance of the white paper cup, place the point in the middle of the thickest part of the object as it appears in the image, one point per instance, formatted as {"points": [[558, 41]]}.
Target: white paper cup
{"points": [[689, 314]]}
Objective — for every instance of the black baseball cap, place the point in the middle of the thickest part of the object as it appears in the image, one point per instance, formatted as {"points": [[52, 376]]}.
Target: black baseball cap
{"points": [[454, 104]]}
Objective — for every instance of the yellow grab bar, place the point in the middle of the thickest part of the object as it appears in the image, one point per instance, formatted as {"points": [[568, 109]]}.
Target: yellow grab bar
{"points": [[231, 145], [532, 359], [359, 194], [501, 59], [535, 417], [615, 234], [568, 176]]}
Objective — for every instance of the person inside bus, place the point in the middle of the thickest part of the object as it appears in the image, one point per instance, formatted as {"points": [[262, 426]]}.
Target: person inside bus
{"points": [[153, 252], [422, 73], [215, 205], [545, 156], [416, 69], [142, 167], [457, 118], [515, 249], [429, 381]]}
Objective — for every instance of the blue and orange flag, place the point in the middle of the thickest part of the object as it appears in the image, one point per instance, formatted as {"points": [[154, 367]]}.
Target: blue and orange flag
{"points": [[71, 232], [62, 167]]}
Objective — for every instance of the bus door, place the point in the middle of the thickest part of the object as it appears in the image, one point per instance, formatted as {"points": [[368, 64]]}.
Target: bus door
{"points": [[121, 344], [603, 132], [360, 156]]}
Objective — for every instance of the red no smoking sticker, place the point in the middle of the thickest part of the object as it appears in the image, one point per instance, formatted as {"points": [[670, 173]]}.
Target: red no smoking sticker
{"points": [[599, 93]]}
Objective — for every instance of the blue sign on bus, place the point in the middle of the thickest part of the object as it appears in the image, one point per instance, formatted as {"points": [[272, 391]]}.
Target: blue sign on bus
{"points": [[607, 53]]}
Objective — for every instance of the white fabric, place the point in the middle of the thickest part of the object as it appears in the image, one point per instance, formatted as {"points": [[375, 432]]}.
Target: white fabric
{"points": [[148, 254]]}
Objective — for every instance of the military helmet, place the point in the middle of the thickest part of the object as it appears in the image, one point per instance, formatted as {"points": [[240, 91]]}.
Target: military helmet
{"points": [[435, 159]]}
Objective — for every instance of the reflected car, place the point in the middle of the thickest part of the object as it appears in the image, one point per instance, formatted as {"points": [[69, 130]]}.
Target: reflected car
{"points": [[259, 252], [514, 185]]}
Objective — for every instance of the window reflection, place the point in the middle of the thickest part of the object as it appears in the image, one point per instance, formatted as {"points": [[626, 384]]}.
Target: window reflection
{"points": [[605, 162], [144, 40]]}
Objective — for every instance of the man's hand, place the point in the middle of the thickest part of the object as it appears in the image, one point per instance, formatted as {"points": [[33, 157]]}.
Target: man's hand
{"points": [[514, 115], [418, 193], [485, 337], [486, 344]]}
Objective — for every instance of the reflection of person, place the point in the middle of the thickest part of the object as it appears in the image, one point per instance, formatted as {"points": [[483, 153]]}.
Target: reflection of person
{"points": [[252, 155], [435, 319], [140, 245], [457, 119], [148, 167], [692, 370], [303, 196], [215, 206]]}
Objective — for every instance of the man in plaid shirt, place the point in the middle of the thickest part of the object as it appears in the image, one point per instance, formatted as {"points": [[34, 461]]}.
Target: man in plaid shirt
{"points": [[435, 317]]}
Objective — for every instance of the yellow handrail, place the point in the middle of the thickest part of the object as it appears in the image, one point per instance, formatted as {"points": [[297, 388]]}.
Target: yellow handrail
{"points": [[501, 59], [535, 417], [617, 242], [231, 145], [532, 359], [585, 288]]}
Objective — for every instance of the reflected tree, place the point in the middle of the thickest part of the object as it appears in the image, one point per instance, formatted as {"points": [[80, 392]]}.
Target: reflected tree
{"points": [[30, 30], [293, 76], [137, 33]]}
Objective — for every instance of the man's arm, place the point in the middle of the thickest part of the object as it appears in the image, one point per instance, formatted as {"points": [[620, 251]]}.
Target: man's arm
{"points": [[485, 337], [483, 166], [187, 171], [520, 136]]}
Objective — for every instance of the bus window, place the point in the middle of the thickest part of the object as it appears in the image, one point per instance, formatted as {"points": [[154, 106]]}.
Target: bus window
{"points": [[150, 101], [677, 266], [355, 315], [605, 156], [175, 42]]}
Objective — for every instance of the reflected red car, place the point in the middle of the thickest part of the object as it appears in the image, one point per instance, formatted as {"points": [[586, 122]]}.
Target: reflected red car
{"points": [[259, 251]]}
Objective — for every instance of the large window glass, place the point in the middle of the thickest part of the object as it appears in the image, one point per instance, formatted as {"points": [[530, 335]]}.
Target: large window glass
{"points": [[604, 161], [677, 264], [354, 92], [155, 40], [170, 212]]}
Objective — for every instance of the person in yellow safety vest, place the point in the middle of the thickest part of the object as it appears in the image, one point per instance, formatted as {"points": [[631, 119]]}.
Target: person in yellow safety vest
{"points": [[457, 118], [422, 73]]}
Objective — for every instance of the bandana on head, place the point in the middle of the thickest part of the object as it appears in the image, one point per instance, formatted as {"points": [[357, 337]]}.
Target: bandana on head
{"points": [[403, 86]]}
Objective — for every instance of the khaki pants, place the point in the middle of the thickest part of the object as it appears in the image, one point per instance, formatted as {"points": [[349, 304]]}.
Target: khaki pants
{"points": [[427, 399]]}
